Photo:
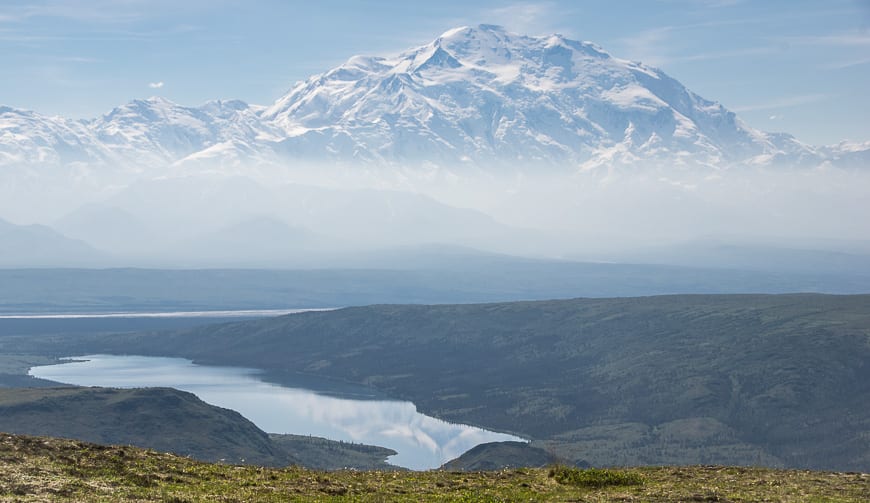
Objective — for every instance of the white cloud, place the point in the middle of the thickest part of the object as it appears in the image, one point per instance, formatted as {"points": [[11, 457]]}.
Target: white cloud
{"points": [[102, 11], [842, 65], [156, 85], [649, 46], [860, 40], [787, 102], [109, 12], [528, 18], [737, 53], [662, 45]]}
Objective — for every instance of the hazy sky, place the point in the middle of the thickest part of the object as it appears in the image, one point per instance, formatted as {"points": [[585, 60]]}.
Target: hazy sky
{"points": [[784, 65]]}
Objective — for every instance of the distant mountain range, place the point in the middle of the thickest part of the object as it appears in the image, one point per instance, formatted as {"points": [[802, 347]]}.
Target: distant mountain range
{"points": [[476, 98], [38, 245], [481, 139]]}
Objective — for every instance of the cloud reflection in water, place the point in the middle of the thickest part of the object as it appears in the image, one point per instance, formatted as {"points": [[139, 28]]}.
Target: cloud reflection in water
{"points": [[422, 442]]}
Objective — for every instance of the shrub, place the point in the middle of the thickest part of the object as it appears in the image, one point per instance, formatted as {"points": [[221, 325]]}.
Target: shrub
{"points": [[594, 477]]}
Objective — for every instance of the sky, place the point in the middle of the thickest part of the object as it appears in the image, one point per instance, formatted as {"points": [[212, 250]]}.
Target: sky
{"points": [[798, 66]]}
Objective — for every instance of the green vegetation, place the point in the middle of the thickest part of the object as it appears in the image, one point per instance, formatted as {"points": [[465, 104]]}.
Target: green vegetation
{"points": [[169, 420], [45, 469], [757, 380], [14, 368], [594, 477], [322, 454], [499, 455]]}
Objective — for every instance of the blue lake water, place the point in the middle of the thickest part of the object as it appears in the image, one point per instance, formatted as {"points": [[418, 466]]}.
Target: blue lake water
{"points": [[422, 442], [52, 323], [139, 315]]}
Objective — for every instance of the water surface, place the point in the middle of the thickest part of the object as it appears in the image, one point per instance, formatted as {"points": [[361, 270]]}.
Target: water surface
{"points": [[233, 313], [422, 442], [58, 323]]}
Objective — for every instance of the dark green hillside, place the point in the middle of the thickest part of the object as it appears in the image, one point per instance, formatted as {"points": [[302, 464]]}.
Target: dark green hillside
{"points": [[159, 418], [779, 380], [169, 420], [500, 455], [322, 454]]}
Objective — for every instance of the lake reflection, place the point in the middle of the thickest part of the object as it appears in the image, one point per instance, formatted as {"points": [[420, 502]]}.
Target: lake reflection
{"points": [[421, 441]]}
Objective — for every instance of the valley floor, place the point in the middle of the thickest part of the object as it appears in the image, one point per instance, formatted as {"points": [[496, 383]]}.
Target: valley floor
{"points": [[46, 469]]}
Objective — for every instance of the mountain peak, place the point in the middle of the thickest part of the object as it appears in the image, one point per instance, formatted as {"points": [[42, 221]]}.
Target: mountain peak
{"points": [[224, 108], [471, 31], [434, 57], [5, 109], [485, 95], [479, 96], [156, 101]]}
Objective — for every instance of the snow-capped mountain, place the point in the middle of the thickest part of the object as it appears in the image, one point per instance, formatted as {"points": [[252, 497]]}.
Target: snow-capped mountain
{"points": [[485, 96], [158, 132], [30, 139], [848, 154], [474, 98], [166, 131], [143, 134]]}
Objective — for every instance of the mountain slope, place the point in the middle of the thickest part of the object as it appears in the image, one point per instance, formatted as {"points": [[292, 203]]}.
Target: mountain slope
{"points": [[174, 421], [169, 132], [727, 379], [257, 240], [38, 245], [28, 139], [501, 455], [484, 96], [475, 98], [106, 227], [228, 218], [159, 418], [149, 134]]}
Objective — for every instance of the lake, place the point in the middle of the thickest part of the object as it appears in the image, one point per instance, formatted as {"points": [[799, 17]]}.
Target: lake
{"points": [[52, 323], [422, 442]]}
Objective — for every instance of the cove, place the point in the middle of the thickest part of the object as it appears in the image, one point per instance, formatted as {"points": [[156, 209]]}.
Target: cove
{"points": [[422, 442]]}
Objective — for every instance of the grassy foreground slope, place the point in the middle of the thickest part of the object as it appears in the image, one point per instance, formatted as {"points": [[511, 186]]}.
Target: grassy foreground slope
{"points": [[764, 380], [40, 469]]}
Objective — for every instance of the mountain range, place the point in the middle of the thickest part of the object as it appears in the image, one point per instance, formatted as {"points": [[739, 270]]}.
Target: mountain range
{"points": [[482, 138], [38, 245], [476, 98]]}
